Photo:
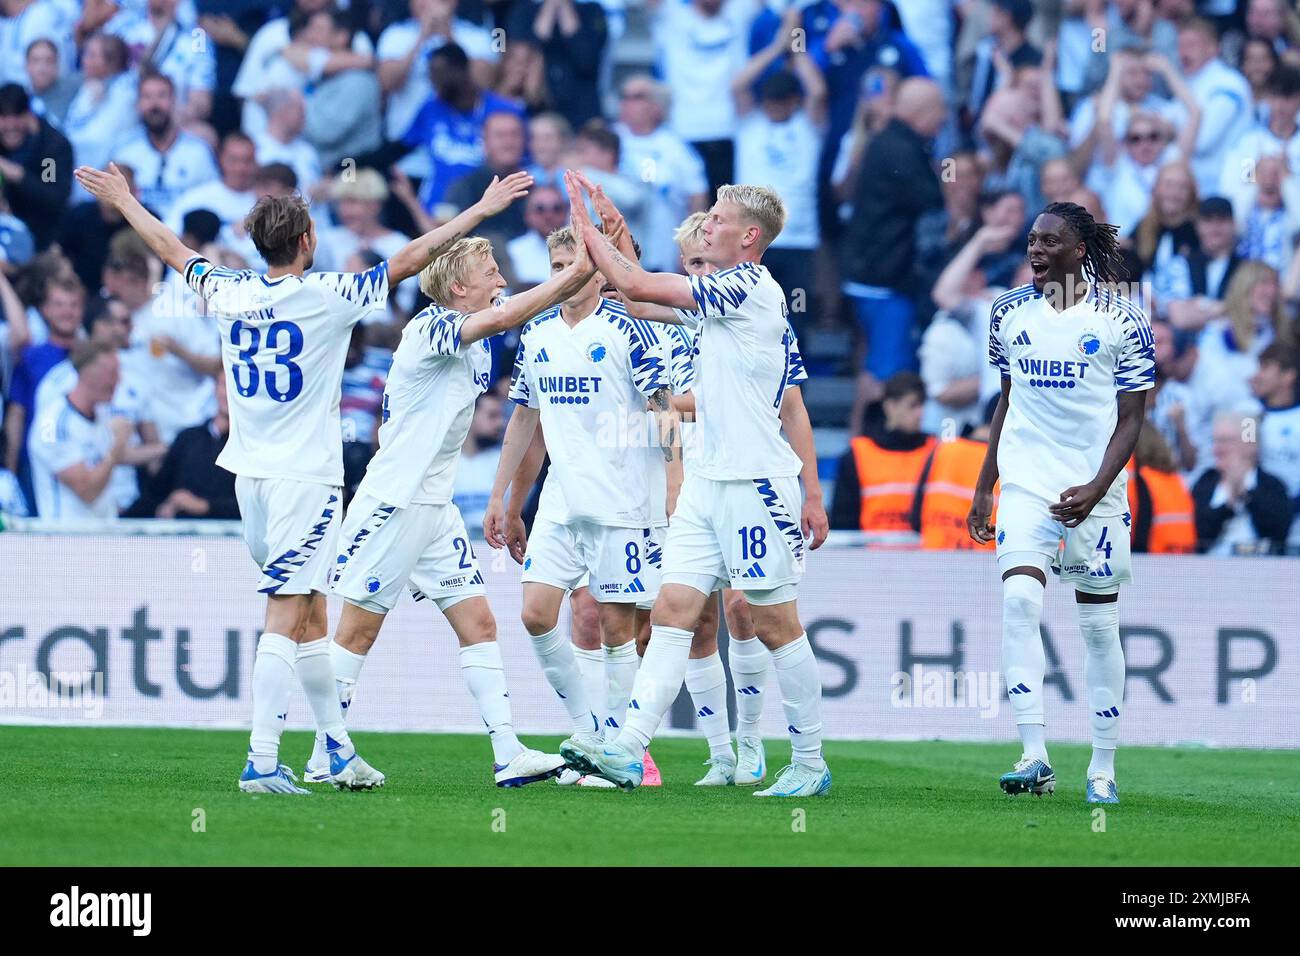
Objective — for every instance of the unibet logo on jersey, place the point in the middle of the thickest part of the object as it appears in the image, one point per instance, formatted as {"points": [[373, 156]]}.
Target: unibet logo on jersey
{"points": [[600, 370]]}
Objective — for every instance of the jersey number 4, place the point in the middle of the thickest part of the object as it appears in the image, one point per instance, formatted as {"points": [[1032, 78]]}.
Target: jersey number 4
{"points": [[246, 374]]}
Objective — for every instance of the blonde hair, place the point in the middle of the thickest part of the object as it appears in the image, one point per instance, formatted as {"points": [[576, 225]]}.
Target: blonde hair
{"points": [[561, 237], [1150, 229], [1237, 305], [761, 205], [691, 229], [452, 266]]}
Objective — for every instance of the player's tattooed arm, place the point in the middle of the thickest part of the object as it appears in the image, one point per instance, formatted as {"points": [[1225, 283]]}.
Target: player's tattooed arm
{"points": [[628, 277], [418, 253], [978, 525], [1077, 502], [661, 402]]}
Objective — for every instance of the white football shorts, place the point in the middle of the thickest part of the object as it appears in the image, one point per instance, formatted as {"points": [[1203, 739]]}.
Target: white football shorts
{"points": [[618, 565], [1096, 556], [291, 528]]}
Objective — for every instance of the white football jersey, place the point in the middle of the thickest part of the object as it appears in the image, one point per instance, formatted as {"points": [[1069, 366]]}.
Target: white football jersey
{"points": [[62, 437], [590, 382], [742, 364], [283, 345], [428, 403], [1065, 369]]}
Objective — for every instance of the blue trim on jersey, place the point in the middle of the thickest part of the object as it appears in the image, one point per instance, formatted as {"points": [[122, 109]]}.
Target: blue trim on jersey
{"points": [[1001, 307]]}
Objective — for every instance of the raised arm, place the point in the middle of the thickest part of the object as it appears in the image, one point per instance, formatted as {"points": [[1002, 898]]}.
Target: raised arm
{"points": [[110, 186], [1186, 140], [614, 226], [420, 252], [628, 277]]}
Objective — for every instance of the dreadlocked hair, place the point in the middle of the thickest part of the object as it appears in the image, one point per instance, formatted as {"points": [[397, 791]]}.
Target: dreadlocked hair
{"points": [[1103, 261]]}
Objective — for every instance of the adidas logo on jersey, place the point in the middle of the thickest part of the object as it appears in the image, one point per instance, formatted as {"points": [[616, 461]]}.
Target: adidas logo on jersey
{"points": [[1021, 339], [541, 356], [754, 571], [636, 587]]}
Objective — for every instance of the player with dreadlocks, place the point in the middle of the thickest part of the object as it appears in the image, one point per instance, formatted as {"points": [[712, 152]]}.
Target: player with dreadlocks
{"points": [[1076, 358]]}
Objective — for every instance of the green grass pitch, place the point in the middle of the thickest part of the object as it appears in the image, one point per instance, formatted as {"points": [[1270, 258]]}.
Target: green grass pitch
{"points": [[102, 796]]}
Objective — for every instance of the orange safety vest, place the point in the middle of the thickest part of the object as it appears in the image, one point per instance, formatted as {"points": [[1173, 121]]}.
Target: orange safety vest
{"points": [[1173, 521], [888, 482], [948, 493]]}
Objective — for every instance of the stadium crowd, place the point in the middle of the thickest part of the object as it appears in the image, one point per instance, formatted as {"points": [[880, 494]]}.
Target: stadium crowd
{"points": [[913, 143]]}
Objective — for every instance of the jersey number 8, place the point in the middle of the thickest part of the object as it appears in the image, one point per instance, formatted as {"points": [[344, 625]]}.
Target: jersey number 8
{"points": [[246, 375]]}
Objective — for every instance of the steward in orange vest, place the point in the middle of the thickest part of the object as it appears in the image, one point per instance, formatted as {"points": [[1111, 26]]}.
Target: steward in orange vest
{"points": [[1164, 515], [877, 479], [945, 493]]}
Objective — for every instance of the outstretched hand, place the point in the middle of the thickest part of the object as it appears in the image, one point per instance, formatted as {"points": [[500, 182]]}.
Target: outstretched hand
{"points": [[106, 185], [500, 193]]}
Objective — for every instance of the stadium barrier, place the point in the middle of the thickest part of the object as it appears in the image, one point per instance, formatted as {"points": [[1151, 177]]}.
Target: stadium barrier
{"points": [[160, 630]]}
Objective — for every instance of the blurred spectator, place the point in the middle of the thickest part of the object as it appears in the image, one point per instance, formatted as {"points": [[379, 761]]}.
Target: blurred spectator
{"points": [[1124, 172], [1002, 52], [650, 153], [478, 460], [365, 373], [281, 139], [16, 243], [1279, 428], [1240, 509], [189, 484], [86, 231], [896, 186], [231, 196], [1128, 25], [1176, 410], [598, 152], [503, 154], [159, 43], [50, 87], [343, 113], [1194, 284], [25, 22], [266, 47], [550, 137], [1271, 215], [879, 474], [570, 36], [1168, 229], [528, 260], [109, 322], [1258, 61], [104, 105], [403, 65], [778, 144], [941, 233], [1130, 85], [1276, 134], [450, 123], [29, 148], [1019, 141], [357, 204], [75, 444], [167, 160], [60, 309], [1223, 95], [700, 46], [1270, 22], [1163, 513], [16, 335]]}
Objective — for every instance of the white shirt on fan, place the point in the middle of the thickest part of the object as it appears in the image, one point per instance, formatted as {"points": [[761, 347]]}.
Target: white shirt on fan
{"points": [[784, 157], [1065, 369], [283, 345], [698, 56], [433, 383], [742, 360], [62, 437], [590, 382]]}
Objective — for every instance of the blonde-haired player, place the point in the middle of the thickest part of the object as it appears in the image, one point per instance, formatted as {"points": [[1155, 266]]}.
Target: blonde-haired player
{"points": [[738, 518], [585, 372], [402, 530]]}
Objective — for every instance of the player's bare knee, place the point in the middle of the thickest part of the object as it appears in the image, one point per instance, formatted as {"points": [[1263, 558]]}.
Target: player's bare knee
{"points": [[740, 622], [538, 619]]}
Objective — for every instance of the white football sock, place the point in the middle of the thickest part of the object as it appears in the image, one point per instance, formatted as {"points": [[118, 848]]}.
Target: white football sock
{"points": [[657, 685], [555, 654], [1103, 672], [1023, 660], [748, 659], [316, 675], [801, 697], [706, 682], [485, 676], [591, 669], [272, 684], [621, 665], [347, 669]]}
